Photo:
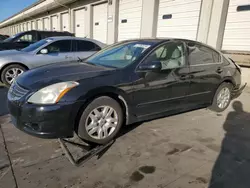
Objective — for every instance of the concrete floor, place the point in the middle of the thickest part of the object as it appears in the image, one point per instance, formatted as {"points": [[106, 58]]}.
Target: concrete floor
{"points": [[191, 150]]}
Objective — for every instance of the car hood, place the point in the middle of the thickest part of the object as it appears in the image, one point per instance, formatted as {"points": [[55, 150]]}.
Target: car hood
{"points": [[38, 78], [7, 53]]}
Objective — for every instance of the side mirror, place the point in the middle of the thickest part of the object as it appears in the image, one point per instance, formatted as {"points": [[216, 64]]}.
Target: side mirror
{"points": [[44, 51], [154, 66]]}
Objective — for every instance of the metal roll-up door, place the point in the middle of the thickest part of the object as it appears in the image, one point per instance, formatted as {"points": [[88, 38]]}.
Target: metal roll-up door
{"points": [[46, 26], [65, 21], [39, 25], [20, 28], [29, 26], [130, 13], [16, 26], [54, 23], [33, 25], [24, 27], [100, 22], [178, 19], [237, 30], [79, 23]]}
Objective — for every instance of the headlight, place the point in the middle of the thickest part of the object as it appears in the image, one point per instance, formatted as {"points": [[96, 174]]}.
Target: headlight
{"points": [[52, 94]]}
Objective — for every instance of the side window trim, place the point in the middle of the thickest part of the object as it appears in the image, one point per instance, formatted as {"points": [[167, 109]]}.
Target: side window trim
{"points": [[205, 64]]}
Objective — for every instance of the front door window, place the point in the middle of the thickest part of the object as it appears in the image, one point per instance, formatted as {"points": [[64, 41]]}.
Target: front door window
{"points": [[171, 56]]}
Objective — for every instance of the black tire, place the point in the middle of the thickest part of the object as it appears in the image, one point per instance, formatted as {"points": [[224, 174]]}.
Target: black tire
{"points": [[6, 69], [98, 102], [214, 106]]}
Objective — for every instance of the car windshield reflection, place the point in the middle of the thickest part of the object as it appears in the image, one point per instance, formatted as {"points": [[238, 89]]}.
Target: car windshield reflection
{"points": [[119, 55]]}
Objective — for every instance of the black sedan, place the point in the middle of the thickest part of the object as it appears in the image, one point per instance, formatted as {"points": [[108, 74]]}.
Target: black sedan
{"points": [[124, 83]]}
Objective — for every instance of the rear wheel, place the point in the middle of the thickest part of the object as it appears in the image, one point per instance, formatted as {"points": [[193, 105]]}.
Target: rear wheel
{"points": [[11, 72], [101, 120], [222, 97]]}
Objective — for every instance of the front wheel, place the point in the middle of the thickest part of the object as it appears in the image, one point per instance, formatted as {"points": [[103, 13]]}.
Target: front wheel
{"points": [[11, 72], [222, 97], [101, 120]]}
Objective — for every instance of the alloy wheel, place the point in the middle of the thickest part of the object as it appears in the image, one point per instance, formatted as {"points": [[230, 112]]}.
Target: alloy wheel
{"points": [[12, 73], [223, 98], [101, 122]]}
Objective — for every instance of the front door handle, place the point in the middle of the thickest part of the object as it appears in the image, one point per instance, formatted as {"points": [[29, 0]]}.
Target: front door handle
{"points": [[183, 77], [219, 70]]}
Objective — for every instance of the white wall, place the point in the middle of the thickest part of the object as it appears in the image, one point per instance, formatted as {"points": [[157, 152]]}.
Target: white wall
{"points": [[246, 76], [211, 25]]}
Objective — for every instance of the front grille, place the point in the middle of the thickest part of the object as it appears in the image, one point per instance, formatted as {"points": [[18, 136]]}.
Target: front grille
{"points": [[16, 92]]}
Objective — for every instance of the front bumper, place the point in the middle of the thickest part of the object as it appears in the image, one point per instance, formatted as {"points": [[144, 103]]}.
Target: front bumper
{"points": [[237, 92], [44, 121]]}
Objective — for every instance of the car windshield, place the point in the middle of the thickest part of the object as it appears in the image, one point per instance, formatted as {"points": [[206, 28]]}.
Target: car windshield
{"points": [[12, 37], [119, 55], [36, 45]]}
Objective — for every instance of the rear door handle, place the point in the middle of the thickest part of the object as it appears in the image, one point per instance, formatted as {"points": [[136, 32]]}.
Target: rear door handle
{"points": [[219, 70], [68, 57]]}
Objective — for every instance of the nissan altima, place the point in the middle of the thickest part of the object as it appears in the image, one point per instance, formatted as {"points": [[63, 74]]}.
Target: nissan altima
{"points": [[127, 82]]}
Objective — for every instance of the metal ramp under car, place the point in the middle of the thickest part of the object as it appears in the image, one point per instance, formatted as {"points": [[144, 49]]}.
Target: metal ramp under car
{"points": [[88, 150]]}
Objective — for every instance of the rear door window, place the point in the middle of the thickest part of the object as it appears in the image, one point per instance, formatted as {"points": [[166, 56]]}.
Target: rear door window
{"points": [[201, 55], [85, 46]]}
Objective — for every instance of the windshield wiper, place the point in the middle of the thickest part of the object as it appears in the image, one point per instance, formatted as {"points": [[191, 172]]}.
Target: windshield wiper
{"points": [[83, 61]]}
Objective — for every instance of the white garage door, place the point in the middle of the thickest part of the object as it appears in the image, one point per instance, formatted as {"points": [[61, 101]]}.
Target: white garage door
{"points": [[100, 24], [237, 31], [28, 26], [79, 23], [20, 28], [24, 27], [178, 19], [65, 22], [54, 22], [33, 25], [39, 25], [46, 26], [129, 19], [17, 29]]}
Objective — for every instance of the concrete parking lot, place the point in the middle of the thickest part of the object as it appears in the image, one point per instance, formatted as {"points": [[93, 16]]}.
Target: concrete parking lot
{"points": [[195, 149]]}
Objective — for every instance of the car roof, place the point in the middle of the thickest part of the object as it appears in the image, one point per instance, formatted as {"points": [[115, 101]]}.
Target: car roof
{"points": [[77, 38], [157, 40], [161, 40]]}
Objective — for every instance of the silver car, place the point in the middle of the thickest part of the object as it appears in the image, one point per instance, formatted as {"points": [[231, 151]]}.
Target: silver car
{"points": [[46, 51]]}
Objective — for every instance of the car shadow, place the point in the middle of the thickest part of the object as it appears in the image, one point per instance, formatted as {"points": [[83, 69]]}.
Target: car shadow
{"points": [[3, 101], [232, 167]]}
